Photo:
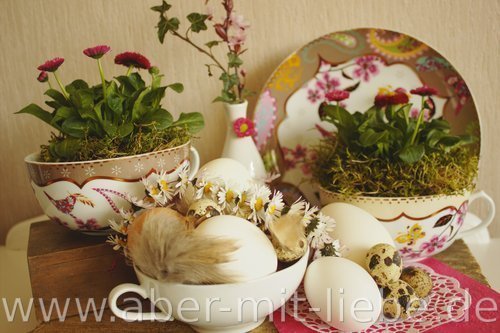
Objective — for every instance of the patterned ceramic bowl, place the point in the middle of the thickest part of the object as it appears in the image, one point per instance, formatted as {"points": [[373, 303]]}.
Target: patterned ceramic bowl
{"points": [[84, 196], [420, 226]]}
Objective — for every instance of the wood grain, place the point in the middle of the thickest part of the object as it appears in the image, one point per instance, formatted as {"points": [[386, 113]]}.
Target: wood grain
{"points": [[465, 31]]}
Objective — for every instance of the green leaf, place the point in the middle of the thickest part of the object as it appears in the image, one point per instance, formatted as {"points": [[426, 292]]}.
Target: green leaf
{"points": [[63, 113], [125, 130], [38, 112], [173, 24], [193, 121], [212, 44], [234, 60], [75, 86], [161, 8], [83, 99], [197, 21], [138, 109], [57, 96], [412, 154], [66, 148], [115, 103], [177, 87], [110, 128], [370, 137], [158, 118], [162, 29], [154, 97], [74, 127]]}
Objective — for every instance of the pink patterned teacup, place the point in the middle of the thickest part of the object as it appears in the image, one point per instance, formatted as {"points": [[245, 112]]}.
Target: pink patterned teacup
{"points": [[84, 196], [420, 226]]}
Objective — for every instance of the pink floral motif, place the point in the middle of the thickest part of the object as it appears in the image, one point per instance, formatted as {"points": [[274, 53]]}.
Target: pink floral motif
{"points": [[91, 224], [366, 66], [314, 95], [434, 244], [58, 221], [407, 252], [327, 82], [298, 157], [460, 89], [462, 211]]}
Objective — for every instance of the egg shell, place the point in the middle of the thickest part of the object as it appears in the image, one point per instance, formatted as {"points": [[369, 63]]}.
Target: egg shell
{"points": [[357, 230], [384, 264], [400, 300], [255, 257], [230, 171], [418, 279], [335, 286]]}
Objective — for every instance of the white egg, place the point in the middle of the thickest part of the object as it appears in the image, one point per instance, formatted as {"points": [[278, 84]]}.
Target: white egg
{"points": [[342, 294], [230, 171], [357, 230], [255, 257]]}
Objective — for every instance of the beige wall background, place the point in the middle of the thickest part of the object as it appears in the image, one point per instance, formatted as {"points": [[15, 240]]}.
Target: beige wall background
{"points": [[465, 31]]}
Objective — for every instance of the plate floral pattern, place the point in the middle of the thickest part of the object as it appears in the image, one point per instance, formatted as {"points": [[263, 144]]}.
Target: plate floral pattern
{"points": [[362, 61]]}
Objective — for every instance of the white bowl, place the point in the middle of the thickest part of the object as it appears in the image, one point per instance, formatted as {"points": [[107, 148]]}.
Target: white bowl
{"points": [[224, 308]]}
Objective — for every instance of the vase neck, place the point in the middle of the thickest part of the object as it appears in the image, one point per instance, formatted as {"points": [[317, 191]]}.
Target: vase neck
{"points": [[235, 111]]}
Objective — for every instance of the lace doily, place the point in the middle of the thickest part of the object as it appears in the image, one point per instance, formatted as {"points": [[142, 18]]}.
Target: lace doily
{"points": [[447, 302]]}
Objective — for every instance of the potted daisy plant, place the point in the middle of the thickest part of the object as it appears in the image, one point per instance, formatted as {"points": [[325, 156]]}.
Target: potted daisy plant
{"points": [[106, 138]]}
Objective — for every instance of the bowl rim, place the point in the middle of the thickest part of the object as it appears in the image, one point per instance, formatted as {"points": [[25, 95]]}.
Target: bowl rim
{"points": [[432, 197], [32, 158], [305, 257]]}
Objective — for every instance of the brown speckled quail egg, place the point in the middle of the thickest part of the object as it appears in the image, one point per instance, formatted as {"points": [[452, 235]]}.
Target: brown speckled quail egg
{"points": [[418, 279], [384, 264], [400, 300], [203, 209]]}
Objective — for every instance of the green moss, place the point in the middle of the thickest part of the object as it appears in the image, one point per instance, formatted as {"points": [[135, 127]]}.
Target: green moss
{"points": [[341, 171], [93, 148]]}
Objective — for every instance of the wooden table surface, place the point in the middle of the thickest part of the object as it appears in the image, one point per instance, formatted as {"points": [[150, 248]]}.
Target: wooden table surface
{"points": [[457, 256]]}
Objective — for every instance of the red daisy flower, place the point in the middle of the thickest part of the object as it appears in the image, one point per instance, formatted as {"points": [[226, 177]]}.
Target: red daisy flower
{"points": [[337, 95], [243, 127], [132, 59], [424, 91], [96, 52], [51, 65], [43, 77], [387, 97]]}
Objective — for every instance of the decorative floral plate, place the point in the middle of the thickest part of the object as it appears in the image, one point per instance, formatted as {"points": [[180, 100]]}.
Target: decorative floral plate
{"points": [[447, 302], [362, 61]]}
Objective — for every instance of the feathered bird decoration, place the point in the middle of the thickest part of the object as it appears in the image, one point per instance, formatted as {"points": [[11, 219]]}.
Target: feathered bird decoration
{"points": [[162, 246], [67, 204]]}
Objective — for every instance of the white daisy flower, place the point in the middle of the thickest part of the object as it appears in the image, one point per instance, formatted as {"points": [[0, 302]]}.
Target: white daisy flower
{"points": [[166, 186], [226, 197], [259, 198], [207, 187], [274, 207], [297, 208], [321, 233], [141, 203], [309, 213], [183, 182], [117, 242]]}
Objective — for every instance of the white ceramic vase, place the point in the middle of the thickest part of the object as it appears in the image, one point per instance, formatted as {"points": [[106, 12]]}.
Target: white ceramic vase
{"points": [[242, 149]]}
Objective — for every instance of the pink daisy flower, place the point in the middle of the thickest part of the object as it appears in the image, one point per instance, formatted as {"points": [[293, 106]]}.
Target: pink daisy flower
{"points": [[132, 59], [243, 127], [96, 52], [51, 65]]}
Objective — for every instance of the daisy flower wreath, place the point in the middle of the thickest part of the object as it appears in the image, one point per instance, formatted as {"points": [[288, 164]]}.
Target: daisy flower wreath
{"points": [[254, 202]]}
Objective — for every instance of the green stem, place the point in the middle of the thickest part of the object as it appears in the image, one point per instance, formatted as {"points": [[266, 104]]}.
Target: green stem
{"points": [[64, 92], [131, 67], [103, 80], [208, 54], [419, 121]]}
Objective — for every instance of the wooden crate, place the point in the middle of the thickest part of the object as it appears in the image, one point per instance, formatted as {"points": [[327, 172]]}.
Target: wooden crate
{"points": [[66, 264]]}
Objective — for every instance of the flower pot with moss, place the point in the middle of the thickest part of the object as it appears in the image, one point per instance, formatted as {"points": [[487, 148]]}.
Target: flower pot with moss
{"points": [[108, 137], [410, 172]]}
